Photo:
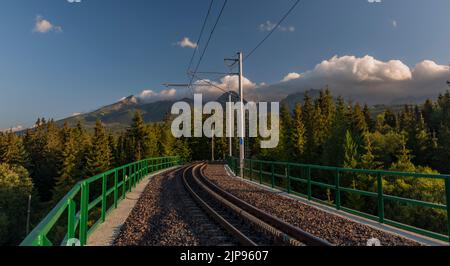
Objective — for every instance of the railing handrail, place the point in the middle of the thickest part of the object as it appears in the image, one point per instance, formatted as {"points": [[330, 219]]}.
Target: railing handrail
{"points": [[338, 172], [356, 170], [136, 171]]}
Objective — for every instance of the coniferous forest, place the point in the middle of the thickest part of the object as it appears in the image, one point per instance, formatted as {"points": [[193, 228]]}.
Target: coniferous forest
{"points": [[46, 161]]}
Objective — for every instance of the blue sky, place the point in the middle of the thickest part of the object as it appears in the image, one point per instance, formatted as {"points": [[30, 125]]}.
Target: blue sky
{"points": [[95, 52]]}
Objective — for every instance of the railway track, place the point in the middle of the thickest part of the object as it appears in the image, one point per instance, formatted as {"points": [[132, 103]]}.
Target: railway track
{"points": [[246, 224]]}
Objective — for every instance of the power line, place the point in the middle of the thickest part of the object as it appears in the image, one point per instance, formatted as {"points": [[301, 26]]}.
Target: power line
{"points": [[209, 39], [200, 36], [194, 75], [271, 32]]}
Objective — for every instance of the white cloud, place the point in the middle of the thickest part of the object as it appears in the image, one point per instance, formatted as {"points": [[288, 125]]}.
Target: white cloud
{"points": [[367, 79], [363, 79], [269, 26], [291, 76], [227, 83], [394, 24], [44, 26], [152, 96], [374, 1], [13, 129], [187, 43]]}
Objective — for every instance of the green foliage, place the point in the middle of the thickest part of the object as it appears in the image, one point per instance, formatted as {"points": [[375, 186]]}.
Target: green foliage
{"points": [[99, 156], [350, 151], [298, 133], [15, 188], [337, 133], [12, 150]]}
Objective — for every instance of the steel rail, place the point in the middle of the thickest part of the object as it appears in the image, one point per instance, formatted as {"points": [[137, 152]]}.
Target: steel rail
{"points": [[279, 235], [243, 239], [280, 225]]}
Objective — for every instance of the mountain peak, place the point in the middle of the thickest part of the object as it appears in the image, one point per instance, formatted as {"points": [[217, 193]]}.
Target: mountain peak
{"points": [[130, 100]]}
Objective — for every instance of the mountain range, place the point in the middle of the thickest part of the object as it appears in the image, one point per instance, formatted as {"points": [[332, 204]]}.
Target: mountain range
{"points": [[118, 116]]}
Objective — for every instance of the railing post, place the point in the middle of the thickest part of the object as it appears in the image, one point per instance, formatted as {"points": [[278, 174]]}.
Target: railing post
{"points": [[138, 171], [260, 172], [84, 212], [380, 198], [124, 181], [447, 189], [338, 189], [288, 176], [71, 219], [309, 187], [273, 175], [104, 186], [132, 175], [251, 170], [116, 188]]}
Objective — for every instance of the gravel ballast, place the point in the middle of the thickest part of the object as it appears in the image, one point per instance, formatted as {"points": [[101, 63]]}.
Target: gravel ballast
{"points": [[337, 230]]}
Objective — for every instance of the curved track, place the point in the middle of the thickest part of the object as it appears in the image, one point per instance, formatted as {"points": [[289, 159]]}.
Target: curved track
{"points": [[245, 223]]}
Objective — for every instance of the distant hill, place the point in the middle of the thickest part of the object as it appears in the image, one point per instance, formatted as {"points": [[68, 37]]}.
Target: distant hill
{"points": [[119, 116], [299, 97]]}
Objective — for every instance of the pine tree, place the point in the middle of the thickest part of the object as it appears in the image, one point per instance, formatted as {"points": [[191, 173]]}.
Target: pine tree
{"points": [[428, 110], [334, 147], [138, 134], [350, 151], [12, 150], [390, 119], [404, 159], [298, 133], [285, 148], [351, 161], [442, 156], [15, 188], [310, 122], [327, 107], [358, 124], [69, 172], [99, 156], [368, 117], [368, 160], [420, 143]]}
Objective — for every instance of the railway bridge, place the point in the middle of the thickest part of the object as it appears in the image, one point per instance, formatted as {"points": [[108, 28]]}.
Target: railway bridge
{"points": [[167, 202]]}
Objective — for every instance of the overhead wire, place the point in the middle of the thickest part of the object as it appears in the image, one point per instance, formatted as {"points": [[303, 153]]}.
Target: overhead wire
{"points": [[208, 42]]}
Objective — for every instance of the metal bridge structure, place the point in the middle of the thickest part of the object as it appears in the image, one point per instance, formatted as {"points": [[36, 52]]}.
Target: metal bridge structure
{"points": [[87, 206]]}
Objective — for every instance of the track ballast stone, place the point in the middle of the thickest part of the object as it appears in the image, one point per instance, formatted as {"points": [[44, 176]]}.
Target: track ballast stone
{"points": [[166, 215], [335, 229]]}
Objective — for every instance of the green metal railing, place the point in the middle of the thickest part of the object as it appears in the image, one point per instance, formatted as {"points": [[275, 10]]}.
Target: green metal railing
{"points": [[282, 175], [86, 206]]}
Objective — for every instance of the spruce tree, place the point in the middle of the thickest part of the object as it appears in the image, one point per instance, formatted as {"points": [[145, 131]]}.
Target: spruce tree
{"points": [[15, 188], [334, 147], [350, 151], [368, 117], [351, 161], [12, 150], [70, 166], [309, 118], [99, 156], [298, 134], [285, 149]]}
